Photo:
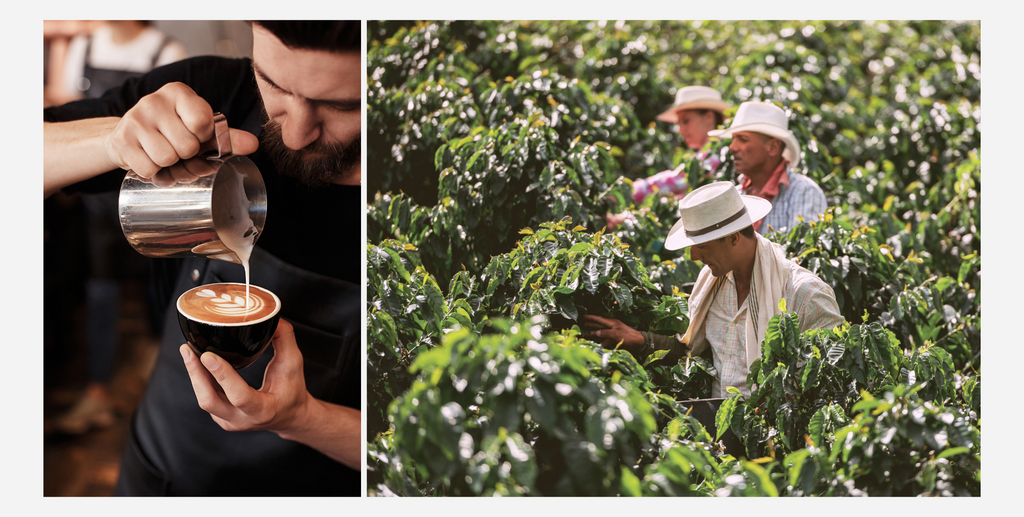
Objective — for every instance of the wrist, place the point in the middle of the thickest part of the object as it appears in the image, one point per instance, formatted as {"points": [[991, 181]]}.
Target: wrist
{"points": [[97, 142], [646, 348], [636, 340], [301, 418]]}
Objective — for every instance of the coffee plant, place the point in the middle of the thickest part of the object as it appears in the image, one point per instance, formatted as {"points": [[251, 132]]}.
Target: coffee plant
{"points": [[498, 148]]}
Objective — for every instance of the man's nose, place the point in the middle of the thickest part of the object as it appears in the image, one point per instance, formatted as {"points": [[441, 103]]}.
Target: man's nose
{"points": [[695, 255], [301, 125]]}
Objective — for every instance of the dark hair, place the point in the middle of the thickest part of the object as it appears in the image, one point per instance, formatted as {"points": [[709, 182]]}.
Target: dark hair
{"points": [[747, 232], [719, 118], [329, 35]]}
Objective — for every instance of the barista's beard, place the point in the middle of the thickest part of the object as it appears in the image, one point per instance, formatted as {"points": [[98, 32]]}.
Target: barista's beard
{"points": [[316, 164]]}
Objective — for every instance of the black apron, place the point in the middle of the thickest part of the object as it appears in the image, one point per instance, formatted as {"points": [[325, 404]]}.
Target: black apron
{"points": [[175, 448], [95, 81]]}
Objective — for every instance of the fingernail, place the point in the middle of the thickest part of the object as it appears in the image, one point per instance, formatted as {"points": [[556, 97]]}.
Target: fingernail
{"points": [[209, 361], [183, 350]]}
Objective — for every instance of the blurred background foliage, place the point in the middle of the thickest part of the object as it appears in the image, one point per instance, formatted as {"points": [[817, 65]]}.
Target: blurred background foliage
{"points": [[495, 150]]}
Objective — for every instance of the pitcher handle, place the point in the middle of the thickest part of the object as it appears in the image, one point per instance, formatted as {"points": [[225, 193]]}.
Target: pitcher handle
{"points": [[221, 136]]}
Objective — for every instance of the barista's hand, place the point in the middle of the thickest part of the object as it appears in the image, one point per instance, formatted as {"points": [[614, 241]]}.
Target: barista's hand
{"points": [[282, 404], [610, 332], [165, 129]]}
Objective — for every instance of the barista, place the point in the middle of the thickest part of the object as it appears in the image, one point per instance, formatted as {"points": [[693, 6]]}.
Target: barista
{"points": [[290, 423]]}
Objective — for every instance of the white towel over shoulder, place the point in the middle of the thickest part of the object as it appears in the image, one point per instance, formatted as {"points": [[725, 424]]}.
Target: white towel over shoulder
{"points": [[767, 287]]}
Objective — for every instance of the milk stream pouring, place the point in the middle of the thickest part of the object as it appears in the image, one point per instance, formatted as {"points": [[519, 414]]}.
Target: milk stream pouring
{"points": [[218, 216]]}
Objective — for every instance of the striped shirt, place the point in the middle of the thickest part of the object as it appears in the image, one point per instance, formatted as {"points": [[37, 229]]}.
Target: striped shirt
{"points": [[725, 325], [801, 197]]}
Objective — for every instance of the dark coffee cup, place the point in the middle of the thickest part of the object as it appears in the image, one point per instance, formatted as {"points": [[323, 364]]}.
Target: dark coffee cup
{"points": [[217, 318]]}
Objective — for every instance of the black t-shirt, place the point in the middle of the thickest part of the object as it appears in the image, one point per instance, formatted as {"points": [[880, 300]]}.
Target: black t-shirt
{"points": [[317, 229], [310, 234]]}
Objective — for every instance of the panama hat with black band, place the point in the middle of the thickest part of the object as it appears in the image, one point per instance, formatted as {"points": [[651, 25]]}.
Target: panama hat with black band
{"points": [[694, 98], [713, 211], [767, 119]]}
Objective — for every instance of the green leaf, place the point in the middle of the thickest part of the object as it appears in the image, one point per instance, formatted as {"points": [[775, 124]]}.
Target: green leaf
{"points": [[795, 462], [965, 269], [953, 451], [434, 297], [835, 353], [581, 246], [866, 405], [655, 356], [476, 156], [396, 261], [439, 156], [590, 274], [604, 266], [629, 485], [907, 377], [815, 427], [724, 415], [622, 295], [760, 477], [566, 307], [383, 328]]}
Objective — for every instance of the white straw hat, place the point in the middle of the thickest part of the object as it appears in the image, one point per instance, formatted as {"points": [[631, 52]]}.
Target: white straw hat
{"points": [[694, 98], [767, 119], [714, 211]]}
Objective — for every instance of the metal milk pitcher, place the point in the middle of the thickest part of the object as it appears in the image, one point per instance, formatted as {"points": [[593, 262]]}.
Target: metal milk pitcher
{"points": [[201, 218]]}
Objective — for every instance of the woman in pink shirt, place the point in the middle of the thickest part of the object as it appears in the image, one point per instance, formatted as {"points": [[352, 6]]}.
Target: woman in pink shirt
{"points": [[697, 110]]}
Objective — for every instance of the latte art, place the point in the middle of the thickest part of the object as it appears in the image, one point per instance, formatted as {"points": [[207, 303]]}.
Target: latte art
{"points": [[226, 304]]}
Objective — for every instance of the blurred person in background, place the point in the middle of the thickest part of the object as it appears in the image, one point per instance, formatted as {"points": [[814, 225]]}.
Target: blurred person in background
{"points": [[107, 53], [100, 58], [696, 111], [57, 34]]}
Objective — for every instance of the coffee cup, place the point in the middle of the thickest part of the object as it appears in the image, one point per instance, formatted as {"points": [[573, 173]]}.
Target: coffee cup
{"points": [[217, 318]]}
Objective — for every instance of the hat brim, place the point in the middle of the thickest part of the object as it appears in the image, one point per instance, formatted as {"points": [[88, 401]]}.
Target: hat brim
{"points": [[792, 152], [757, 208], [670, 116]]}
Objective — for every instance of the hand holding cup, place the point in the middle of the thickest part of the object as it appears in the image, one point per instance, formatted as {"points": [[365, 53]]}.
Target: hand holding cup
{"points": [[217, 318]]}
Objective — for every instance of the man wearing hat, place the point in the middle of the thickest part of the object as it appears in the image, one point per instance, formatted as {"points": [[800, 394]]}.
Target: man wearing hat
{"points": [[737, 291], [697, 110], [764, 152]]}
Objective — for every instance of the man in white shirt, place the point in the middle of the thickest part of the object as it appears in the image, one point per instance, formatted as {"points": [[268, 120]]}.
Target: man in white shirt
{"points": [[744, 278]]}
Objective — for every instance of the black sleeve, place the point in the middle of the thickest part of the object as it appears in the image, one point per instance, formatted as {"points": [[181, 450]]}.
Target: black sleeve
{"points": [[227, 84]]}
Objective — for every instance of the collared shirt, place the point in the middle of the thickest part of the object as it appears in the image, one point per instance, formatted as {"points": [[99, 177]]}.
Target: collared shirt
{"points": [[768, 191], [798, 195], [724, 327]]}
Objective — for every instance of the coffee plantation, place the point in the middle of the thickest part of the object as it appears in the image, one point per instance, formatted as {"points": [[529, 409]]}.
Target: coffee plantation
{"points": [[495, 151]]}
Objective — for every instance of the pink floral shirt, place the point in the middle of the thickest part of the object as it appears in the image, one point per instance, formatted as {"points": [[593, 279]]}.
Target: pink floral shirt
{"points": [[673, 181]]}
